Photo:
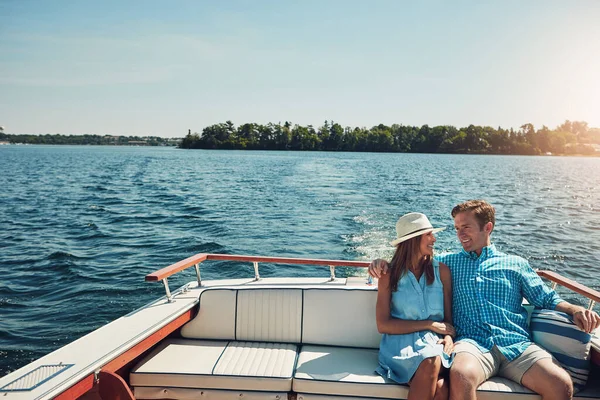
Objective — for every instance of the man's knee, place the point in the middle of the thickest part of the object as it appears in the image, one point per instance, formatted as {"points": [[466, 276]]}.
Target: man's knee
{"points": [[466, 374], [549, 379], [561, 385]]}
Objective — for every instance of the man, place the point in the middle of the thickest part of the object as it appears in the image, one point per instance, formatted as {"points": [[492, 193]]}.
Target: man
{"points": [[491, 324]]}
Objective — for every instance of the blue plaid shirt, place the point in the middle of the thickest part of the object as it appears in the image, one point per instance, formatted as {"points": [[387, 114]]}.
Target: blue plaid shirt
{"points": [[488, 293]]}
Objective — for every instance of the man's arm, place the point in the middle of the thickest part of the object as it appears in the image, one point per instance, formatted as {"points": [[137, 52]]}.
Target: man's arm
{"points": [[541, 296], [378, 267], [586, 320]]}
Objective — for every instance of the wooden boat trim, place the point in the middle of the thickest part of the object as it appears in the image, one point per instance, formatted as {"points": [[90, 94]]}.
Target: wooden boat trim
{"points": [[174, 268], [113, 386]]}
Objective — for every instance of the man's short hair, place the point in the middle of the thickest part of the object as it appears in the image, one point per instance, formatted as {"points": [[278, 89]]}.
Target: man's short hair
{"points": [[484, 212]]}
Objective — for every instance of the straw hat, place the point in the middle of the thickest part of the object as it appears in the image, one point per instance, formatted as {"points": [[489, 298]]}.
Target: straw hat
{"points": [[411, 225]]}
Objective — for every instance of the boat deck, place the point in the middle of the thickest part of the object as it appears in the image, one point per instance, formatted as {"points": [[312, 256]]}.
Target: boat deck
{"points": [[52, 374]]}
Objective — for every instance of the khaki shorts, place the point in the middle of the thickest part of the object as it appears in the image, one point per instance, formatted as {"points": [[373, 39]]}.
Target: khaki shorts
{"points": [[494, 363]]}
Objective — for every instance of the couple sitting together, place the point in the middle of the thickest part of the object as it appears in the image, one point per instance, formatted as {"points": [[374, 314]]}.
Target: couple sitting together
{"points": [[474, 297]]}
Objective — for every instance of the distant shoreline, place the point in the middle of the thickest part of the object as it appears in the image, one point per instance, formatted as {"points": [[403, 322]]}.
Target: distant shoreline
{"points": [[83, 145], [572, 138], [597, 154], [88, 140]]}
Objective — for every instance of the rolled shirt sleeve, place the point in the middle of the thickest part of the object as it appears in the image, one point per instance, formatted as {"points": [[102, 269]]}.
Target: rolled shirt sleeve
{"points": [[536, 291]]}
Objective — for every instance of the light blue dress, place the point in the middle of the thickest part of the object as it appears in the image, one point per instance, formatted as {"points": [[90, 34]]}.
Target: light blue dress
{"points": [[400, 355]]}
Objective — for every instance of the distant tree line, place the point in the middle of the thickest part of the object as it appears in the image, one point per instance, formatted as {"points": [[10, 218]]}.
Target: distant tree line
{"points": [[88, 140], [569, 138]]}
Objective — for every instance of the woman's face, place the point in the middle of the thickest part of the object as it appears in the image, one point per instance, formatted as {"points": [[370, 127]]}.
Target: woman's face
{"points": [[426, 245]]}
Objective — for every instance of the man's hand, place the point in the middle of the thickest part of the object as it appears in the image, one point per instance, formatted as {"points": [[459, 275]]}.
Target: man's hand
{"points": [[443, 328], [378, 267], [448, 344], [586, 320]]}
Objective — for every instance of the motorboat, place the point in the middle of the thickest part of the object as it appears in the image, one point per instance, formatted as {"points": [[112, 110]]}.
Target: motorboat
{"points": [[302, 338]]}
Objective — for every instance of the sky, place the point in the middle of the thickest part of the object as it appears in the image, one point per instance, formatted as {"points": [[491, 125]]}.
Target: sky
{"points": [[160, 68]]}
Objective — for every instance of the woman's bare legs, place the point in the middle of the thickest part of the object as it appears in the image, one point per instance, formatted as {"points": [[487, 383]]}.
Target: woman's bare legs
{"points": [[424, 382], [442, 391]]}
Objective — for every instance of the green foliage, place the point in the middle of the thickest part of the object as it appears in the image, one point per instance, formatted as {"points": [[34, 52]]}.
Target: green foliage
{"points": [[331, 136]]}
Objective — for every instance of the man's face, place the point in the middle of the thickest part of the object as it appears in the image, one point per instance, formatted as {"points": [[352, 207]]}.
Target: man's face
{"points": [[471, 236]]}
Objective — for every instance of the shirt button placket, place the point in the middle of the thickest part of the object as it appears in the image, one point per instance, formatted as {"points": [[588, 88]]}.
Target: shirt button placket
{"points": [[421, 301], [479, 283]]}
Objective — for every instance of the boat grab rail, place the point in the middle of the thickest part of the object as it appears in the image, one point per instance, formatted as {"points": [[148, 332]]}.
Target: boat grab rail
{"points": [[195, 260], [557, 279]]}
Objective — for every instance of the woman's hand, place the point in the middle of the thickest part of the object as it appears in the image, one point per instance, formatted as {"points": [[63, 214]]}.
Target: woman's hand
{"points": [[448, 344], [443, 328]]}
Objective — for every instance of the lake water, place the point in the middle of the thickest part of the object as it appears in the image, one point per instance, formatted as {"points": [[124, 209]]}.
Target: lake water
{"points": [[80, 227]]}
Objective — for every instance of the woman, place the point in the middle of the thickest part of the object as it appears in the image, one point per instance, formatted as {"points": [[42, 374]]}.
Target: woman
{"points": [[414, 306]]}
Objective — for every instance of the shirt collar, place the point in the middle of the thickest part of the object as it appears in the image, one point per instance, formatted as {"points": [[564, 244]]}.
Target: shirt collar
{"points": [[486, 252]]}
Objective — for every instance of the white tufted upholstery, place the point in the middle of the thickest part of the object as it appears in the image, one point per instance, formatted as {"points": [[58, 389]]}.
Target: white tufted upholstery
{"points": [[269, 315], [340, 318], [215, 318], [217, 365]]}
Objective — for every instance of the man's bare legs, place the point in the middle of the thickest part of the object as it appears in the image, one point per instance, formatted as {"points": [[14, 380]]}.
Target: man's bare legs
{"points": [[549, 380], [544, 377], [466, 375]]}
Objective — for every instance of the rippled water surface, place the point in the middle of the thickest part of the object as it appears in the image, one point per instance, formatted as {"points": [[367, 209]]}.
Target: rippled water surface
{"points": [[80, 227]]}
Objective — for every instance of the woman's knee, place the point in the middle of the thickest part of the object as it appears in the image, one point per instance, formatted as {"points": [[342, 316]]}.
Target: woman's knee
{"points": [[432, 364], [429, 368]]}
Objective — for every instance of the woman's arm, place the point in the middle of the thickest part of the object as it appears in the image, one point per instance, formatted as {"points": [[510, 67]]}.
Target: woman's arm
{"points": [[395, 326], [446, 279]]}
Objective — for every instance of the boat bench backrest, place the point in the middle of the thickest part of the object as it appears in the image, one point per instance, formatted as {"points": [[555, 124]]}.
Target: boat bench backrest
{"points": [[326, 316]]}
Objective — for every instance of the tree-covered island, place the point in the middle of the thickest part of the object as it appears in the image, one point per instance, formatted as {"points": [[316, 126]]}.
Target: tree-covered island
{"points": [[574, 138]]}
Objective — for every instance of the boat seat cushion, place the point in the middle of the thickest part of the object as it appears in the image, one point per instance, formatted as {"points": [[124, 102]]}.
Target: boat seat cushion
{"points": [[206, 364], [287, 316], [343, 371], [268, 315], [340, 317], [497, 388], [569, 345]]}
